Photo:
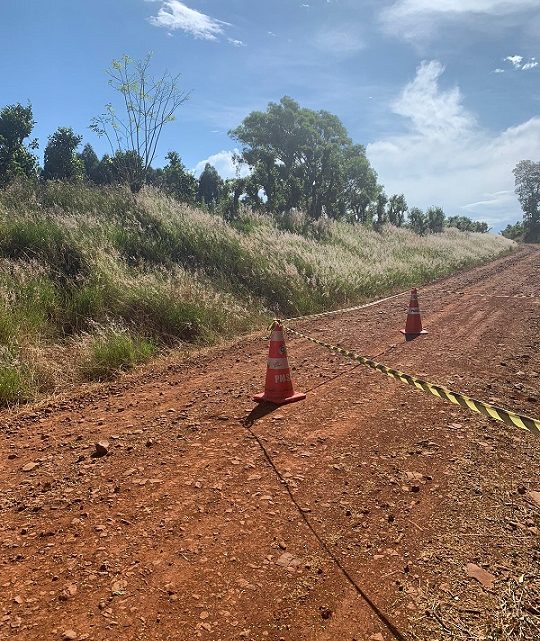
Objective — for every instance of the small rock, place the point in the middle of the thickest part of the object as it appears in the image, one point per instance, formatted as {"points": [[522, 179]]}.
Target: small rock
{"points": [[101, 449], [326, 613], [376, 637], [483, 577], [69, 634], [29, 467], [534, 497]]}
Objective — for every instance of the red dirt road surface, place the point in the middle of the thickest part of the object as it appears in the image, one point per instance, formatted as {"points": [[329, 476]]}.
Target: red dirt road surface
{"points": [[378, 511]]}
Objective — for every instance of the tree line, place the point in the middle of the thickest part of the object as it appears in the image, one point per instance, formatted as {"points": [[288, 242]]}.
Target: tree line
{"points": [[296, 158], [527, 182]]}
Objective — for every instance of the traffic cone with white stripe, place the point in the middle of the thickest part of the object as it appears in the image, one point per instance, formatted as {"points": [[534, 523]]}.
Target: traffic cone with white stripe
{"points": [[413, 326], [278, 388]]}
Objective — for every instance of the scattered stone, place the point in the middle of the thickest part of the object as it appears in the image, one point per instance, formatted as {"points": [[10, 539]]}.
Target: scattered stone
{"points": [[69, 635], [101, 448], [534, 497], [376, 637], [29, 467], [326, 613], [483, 577]]}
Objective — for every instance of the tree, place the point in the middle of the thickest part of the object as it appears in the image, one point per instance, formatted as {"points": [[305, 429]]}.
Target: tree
{"points": [[380, 210], [304, 159], [435, 220], [148, 104], [417, 221], [177, 181], [210, 185], [397, 207], [463, 223], [61, 161], [514, 232], [16, 124], [527, 181], [90, 163], [360, 185]]}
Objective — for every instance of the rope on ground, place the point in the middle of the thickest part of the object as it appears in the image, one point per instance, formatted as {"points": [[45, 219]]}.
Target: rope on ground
{"points": [[362, 593], [487, 409], [345, 309]]}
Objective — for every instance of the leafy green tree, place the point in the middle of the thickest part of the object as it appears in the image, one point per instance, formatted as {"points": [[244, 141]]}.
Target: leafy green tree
{"points": [[128, 167], [61, 159], [527, 181], [396, 210], [463, 223], [304, 159], [90, 162], [16, 124], [380, 210], [418, 221], [514, 232], [148, 104], [435, 220], [360, 185], [210, 186], [177, 180]]}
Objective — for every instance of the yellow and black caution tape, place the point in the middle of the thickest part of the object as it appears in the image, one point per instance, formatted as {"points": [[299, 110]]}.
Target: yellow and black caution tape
{"points": [[491, 411]]}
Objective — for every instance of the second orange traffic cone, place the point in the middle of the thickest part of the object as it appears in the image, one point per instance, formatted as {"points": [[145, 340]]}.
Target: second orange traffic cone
{"points": [[278, 387], [413, 326]]}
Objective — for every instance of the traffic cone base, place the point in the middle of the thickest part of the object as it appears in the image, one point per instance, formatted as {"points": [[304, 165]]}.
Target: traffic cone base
{"points": [[413, 333], [278, 386], [263, 398]]}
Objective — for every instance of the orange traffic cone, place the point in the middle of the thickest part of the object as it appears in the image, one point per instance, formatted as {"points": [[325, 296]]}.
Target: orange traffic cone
{"points": [[278, 387], [413, 326]]}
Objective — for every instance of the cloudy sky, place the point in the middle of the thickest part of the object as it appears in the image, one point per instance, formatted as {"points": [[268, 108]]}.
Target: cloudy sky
{"points": [[444, 94]]}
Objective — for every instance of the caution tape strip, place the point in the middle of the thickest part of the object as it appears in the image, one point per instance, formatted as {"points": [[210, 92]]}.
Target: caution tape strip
{"points": [[491, 411], [345, 309]]}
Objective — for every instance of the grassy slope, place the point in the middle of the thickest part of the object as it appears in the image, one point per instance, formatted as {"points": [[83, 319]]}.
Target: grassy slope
{"points": [[92, 281]]}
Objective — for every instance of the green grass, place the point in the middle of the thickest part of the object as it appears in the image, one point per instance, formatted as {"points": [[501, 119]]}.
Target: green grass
{"points": [[94, 280], [113, 351]]}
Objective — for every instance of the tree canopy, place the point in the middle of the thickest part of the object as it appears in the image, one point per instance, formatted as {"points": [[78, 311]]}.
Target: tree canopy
{"points": [[300, 158], [527, 180], [61, 161], [16, 124]]}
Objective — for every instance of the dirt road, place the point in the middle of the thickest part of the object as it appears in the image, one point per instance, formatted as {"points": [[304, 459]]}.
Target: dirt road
{"points": [[185, 530]]}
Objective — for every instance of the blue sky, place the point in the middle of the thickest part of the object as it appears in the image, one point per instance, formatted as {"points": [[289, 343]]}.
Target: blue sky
{"points": [[445, 94]]}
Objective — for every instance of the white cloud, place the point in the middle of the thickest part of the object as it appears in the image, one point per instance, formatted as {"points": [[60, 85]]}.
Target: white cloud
{"points": [[518, 64], [174, 14], [498, 70], [224, 164], [236, 43], [515, 61], [444, 157], [413, 18]]}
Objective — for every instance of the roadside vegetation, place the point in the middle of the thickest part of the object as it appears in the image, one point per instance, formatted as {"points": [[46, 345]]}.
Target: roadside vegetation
{"points": [[94, 280], [105, 262]]}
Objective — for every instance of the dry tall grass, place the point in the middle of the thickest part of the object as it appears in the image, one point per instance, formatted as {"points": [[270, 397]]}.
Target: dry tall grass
{"points": [[94, 280]]}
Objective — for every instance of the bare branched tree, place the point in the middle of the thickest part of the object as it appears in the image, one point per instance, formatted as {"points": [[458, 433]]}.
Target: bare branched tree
{"points": [[133, 132]]}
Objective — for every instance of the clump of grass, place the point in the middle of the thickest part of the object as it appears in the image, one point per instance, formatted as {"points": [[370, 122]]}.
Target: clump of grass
{"points": [[114, 350], [13, 386]]}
